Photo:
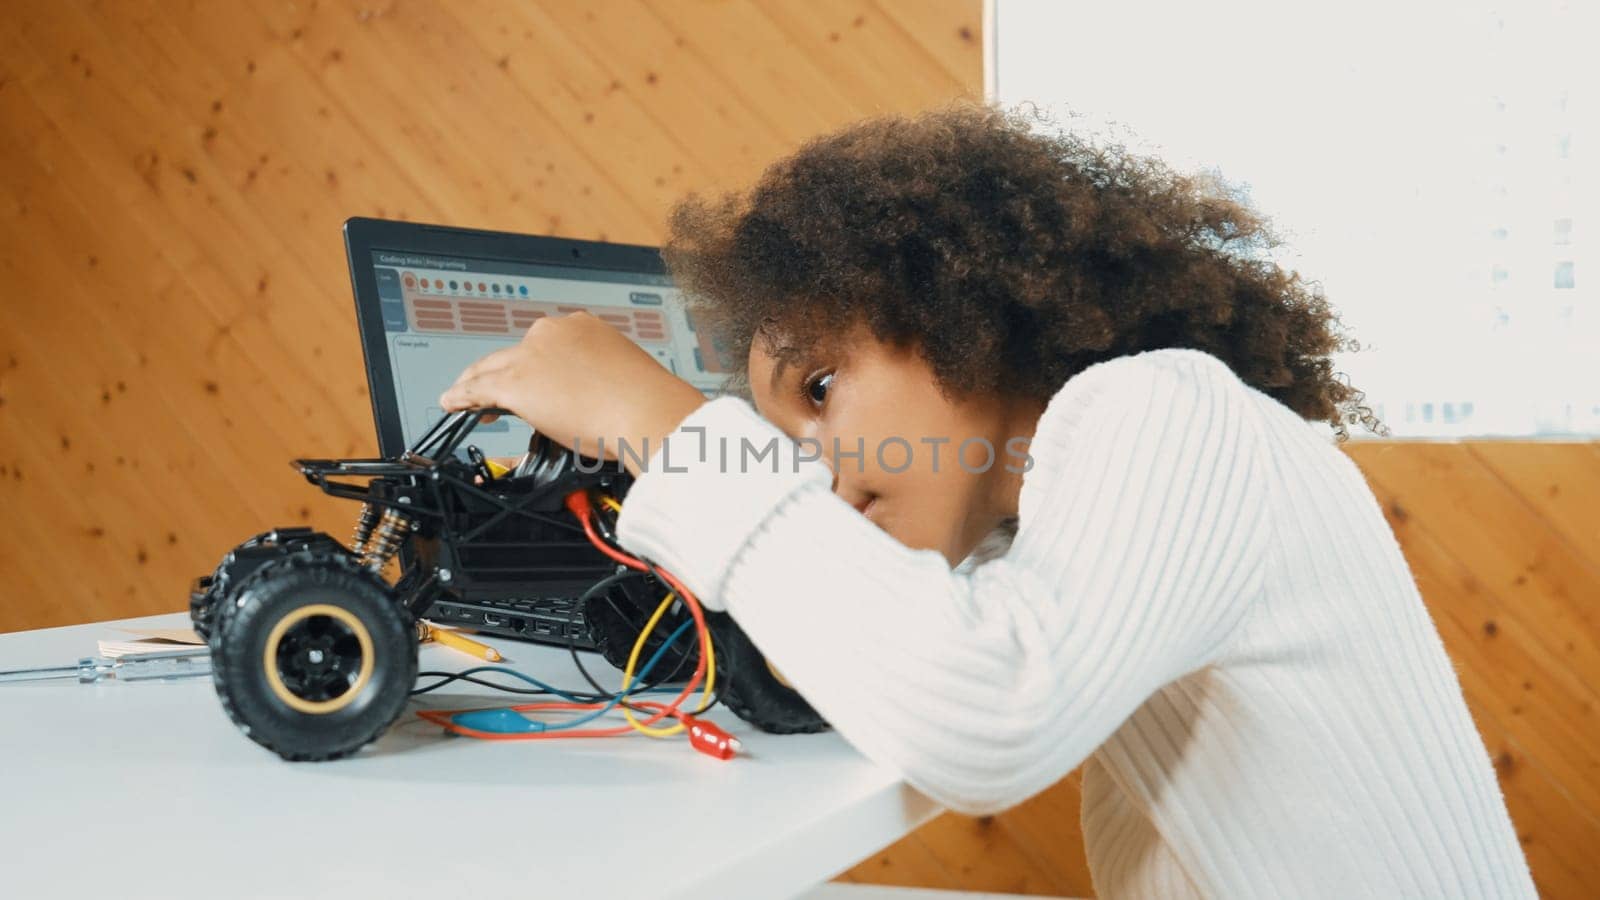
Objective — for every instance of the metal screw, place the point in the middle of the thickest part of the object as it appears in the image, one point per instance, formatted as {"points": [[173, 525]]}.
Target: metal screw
{"points": [[444, 575]]}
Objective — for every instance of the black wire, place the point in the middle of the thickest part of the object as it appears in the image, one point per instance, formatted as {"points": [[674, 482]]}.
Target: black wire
{"points": [[449, 677], [608, 533], [664, 628], [601, 694], [710, 639], [683, 656], [605, 584]]}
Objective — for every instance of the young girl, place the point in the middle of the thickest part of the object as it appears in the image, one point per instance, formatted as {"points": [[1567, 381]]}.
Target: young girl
{"points": [[1027, 483]]}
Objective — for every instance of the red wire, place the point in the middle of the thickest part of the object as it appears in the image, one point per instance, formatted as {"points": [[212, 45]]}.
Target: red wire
{"points": [[578, 503], [441, 717]]}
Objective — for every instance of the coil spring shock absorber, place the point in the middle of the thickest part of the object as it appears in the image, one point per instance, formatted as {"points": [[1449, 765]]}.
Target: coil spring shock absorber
{"points": [[364, 526], [385, 539]]}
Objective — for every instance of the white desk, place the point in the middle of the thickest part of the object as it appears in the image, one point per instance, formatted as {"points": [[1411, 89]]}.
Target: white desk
{"points": [[146, 789]]}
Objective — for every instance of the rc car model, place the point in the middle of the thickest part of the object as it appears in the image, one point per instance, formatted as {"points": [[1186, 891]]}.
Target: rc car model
{"points": [[314, 650]]}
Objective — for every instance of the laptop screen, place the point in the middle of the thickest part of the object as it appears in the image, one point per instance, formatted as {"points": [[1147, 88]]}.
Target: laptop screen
{"points": [[442, 313]]}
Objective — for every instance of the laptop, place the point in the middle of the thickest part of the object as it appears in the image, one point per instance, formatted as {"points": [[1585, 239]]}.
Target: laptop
{"points": [[431, 300]]}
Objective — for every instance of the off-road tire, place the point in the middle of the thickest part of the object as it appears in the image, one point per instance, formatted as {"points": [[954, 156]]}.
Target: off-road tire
{"points": [[614, 636], [203, 605], [212, 589], [210, 592], [270, 608], [746, 685]]}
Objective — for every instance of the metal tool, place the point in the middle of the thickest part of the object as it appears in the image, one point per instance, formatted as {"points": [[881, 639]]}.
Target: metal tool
{"points": [[164, 665]]}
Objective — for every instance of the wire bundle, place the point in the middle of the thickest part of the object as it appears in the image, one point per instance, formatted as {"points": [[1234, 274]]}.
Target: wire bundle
{"points": [[509, 723]]}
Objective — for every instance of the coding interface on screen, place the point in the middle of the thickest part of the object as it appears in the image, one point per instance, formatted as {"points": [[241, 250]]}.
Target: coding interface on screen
{"points": [[441, 314]]}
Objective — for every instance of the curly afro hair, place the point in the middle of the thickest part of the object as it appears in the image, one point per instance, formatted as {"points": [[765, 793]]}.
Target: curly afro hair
{"points": [[1011, 258]]}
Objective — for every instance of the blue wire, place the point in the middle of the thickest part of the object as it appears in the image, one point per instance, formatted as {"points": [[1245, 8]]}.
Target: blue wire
{"points": [[503, 670], [504, 720]]}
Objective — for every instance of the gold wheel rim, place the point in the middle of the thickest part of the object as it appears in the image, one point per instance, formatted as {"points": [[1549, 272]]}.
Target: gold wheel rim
{"points": [[269, 659]]}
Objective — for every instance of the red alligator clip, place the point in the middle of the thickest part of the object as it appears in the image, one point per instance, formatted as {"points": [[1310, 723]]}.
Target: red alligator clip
{"points": [[711, 740]]}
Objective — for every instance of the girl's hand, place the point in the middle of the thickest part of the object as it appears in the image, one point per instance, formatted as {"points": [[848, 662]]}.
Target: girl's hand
{"points": [[577, 380]]}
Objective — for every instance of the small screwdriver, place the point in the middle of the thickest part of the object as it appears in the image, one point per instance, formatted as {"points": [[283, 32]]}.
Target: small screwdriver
{"points": [[187, 662]]}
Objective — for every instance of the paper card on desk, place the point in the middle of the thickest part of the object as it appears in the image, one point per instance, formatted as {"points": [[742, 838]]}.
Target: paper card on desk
{"points": [[175, 635], [150, 639]]}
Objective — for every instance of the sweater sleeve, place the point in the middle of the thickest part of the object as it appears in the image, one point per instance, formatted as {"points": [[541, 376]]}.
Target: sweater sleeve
{"points": [[1140, 544]]}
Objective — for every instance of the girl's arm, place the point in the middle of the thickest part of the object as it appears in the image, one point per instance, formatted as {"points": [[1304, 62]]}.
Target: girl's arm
{"points": [[1140, 544]]}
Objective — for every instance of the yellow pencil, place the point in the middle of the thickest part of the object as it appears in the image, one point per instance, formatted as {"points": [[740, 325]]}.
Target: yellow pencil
{"points": [[457, 641]]}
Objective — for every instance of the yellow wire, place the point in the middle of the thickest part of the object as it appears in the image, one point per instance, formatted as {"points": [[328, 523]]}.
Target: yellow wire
{"points": [[633, 660], [612, 504]]}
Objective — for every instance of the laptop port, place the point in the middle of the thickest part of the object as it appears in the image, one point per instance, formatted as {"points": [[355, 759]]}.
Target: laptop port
{"points": [[492, 619], [519, 624]]}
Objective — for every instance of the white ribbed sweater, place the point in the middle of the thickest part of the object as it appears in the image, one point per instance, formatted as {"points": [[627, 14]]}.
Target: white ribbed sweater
{"points": [[1202, 602]]}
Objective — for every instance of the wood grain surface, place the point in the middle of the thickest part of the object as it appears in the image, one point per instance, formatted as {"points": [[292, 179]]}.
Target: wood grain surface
{"points": [[176, 322]]}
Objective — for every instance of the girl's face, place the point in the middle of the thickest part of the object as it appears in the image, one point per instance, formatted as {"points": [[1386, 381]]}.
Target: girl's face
{"points": [[891, 437]]}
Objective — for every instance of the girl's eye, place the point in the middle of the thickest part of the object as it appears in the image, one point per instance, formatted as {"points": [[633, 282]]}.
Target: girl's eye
{"points": [[816, 387]]}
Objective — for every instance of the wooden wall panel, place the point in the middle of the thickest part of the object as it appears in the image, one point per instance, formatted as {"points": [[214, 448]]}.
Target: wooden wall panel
{"points": [[175, 315], [175, 320], [1511, 574]]}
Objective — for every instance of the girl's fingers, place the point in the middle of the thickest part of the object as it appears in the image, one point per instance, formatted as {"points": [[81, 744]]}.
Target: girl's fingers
{"points": [[488, 363], [476, 392]]}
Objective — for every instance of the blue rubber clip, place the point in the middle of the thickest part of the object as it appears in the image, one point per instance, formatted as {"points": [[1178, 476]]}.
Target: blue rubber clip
{"points": [[497, 721]]}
